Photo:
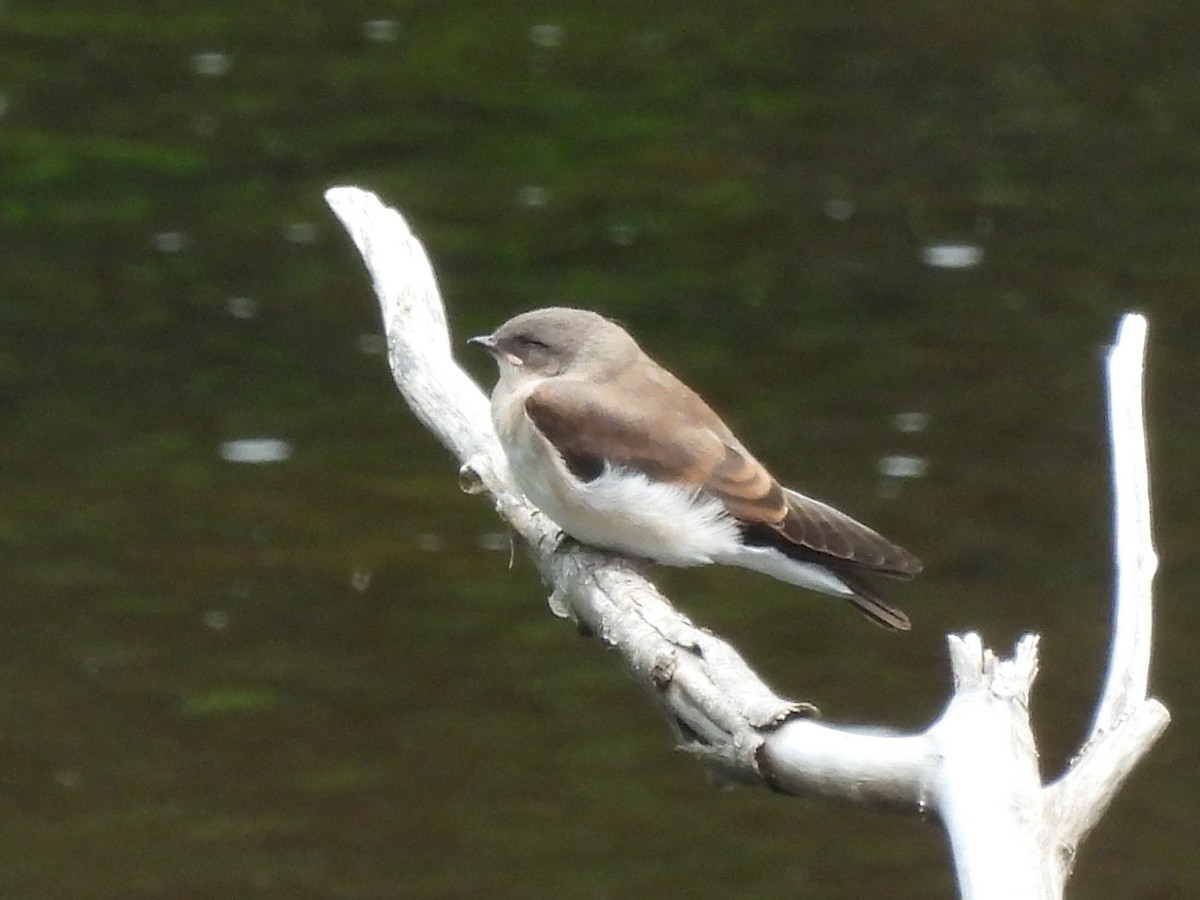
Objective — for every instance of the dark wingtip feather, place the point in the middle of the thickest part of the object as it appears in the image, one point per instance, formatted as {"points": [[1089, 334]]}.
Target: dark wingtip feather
{"points": [[871, 605], [830, 532]]}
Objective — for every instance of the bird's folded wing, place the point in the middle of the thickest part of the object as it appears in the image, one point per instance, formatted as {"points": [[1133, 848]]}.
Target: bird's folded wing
{"points": [[670, 434], [592, 427], [818, 526]]}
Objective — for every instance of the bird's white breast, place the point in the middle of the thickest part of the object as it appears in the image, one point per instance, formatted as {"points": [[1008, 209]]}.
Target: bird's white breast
{"points": [[622, 509]]}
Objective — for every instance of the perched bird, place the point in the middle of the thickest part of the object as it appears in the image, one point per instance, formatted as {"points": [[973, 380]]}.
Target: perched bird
{"points": [[624, 456]]}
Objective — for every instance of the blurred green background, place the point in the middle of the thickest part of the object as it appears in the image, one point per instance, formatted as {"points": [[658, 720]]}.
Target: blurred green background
{"points": [[888, 241]]}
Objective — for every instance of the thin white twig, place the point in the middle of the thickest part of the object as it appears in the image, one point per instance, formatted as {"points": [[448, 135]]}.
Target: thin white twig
{"points": [[1133, 542]]}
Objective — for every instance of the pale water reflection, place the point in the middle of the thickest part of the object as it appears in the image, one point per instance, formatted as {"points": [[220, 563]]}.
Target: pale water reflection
{"points": [[952, 256], [256, 450], [381, 31], [212, 63]]}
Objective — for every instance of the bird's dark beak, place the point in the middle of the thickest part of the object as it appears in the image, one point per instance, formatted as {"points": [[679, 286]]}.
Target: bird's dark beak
{"points": [[486, 341]]}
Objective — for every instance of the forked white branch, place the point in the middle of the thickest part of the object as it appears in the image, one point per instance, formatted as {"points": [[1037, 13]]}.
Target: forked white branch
{"points": [[974, 770]]}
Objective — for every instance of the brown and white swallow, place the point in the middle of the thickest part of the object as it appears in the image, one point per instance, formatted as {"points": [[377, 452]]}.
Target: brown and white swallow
{"points": [[623, 456]]}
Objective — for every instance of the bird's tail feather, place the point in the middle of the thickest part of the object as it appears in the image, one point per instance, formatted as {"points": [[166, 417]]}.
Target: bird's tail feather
{"points": [[826, 576], [871, 605]]}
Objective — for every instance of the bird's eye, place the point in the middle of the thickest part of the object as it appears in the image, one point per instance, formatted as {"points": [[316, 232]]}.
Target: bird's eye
{"points": [[529, 342]]}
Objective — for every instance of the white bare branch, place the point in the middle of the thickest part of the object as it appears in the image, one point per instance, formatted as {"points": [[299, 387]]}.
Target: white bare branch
{"points": [[1126, 723], [974, 770], [1129, 666]]}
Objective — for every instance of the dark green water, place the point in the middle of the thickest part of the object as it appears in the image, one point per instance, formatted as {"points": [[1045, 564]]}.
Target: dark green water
{"points": [[319, 677]]}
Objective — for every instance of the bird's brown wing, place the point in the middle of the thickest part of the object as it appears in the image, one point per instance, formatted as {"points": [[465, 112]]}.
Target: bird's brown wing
{"points": [[818, 526], [587, 429], [591, 424]]}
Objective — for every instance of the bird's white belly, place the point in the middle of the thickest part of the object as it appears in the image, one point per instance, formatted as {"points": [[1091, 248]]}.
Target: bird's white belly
{"points": [[621, 510]]}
